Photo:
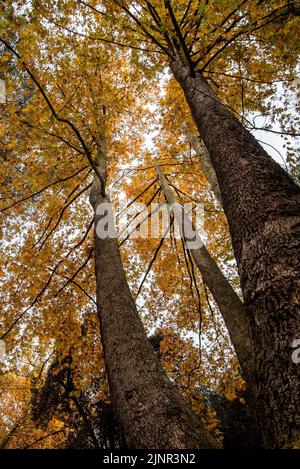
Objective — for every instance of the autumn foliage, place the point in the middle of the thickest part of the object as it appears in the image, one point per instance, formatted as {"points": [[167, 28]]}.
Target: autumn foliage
{"points": [[75, 71]]}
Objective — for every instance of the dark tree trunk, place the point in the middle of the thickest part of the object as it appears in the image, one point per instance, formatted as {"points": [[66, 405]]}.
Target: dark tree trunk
{"points": [[148, 407], [262, 205]]}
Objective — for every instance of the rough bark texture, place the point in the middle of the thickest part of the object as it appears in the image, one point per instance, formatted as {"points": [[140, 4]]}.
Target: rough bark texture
{"points": [[224, 295], [262, 206], [149, 408]]}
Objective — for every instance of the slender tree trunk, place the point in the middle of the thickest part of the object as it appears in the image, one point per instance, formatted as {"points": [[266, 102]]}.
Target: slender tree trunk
{"points": [[224, 295], [150, 411], [205, 162], [262, 206]]}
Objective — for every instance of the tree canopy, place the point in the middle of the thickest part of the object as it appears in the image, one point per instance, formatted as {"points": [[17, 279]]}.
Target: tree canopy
{"points": [[75, 71]]}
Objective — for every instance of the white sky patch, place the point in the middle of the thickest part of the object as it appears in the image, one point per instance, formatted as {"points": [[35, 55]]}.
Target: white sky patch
{"points": [[271, 142]]}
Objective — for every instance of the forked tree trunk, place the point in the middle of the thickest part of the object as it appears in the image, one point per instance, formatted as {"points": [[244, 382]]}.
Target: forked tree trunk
{"points": [[262, 205], [148, 407], [230, 305]]}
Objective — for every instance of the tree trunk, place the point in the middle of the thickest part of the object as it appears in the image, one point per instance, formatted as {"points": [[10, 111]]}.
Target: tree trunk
{"points": [[262, 206], [205, 162], [229, 303], [149, 408]]}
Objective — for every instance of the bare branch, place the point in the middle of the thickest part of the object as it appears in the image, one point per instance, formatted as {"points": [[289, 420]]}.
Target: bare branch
{"points": [[76, 273], [153, 258], [43, 189], [62, 213]]}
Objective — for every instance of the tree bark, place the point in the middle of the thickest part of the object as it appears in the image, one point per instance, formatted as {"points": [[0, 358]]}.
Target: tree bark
{"points": [[229, 303], [205, 162], [150, 411], [262, 206]]}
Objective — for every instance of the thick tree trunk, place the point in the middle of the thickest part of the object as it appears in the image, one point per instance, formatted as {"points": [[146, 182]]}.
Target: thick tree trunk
{"points": [[262, 206], [229, 303], [149, 408]]}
